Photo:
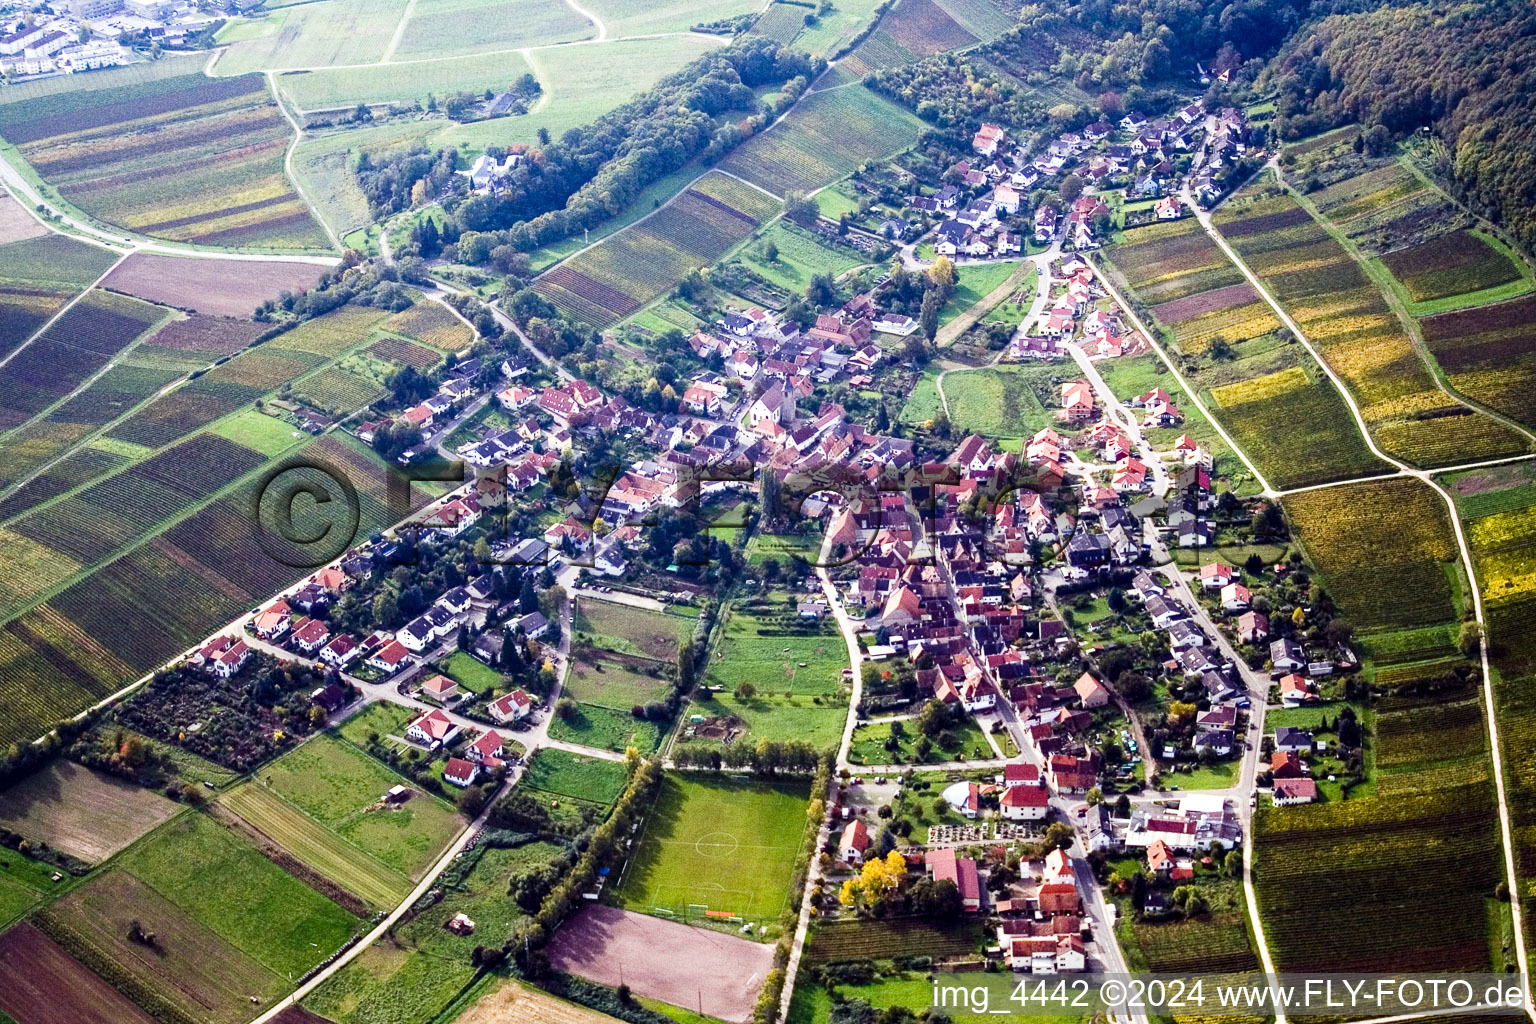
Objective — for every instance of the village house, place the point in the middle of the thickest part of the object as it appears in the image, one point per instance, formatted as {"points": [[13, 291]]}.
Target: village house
{"points": [[514, 707], [944, 866], [853, 843], [431, 729], [1294, 791], [460, 772], [440, 688]]}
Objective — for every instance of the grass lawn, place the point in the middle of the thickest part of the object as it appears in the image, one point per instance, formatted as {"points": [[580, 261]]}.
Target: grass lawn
{"points": [[314, 844], [915, 991], [223, 882], [471, 673], [267, 434], [792, 550], [15, 899], [836, 201], [801, 255], [869, 745], [757, 646], [1212, 776], [606, 729], [382, 717], [630, 630], [1012, 310], [340, 786], [418, 977], [566, 774], [976, 282], [597, 677], [719, 842], [923, 404], [998, 401]]}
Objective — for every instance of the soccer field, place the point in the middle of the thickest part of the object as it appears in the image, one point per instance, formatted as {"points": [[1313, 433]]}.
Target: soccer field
{"points": [[717, 844]]}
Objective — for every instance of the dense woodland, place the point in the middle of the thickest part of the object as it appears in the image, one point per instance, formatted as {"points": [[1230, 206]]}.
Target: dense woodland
{"points": [[594, 172], [1468, 72]]}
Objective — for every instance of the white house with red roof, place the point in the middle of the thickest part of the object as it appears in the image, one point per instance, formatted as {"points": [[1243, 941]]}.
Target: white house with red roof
{"points": [[1091, 692], [1235, 597], [309, 635], [853, 843], [487, 749], [1047, 954], [452, 518], [514, 707], [432, 728], [391, 657], [1215, 575], [274, 622], [223, 657], [341, 651], [987, 138], [460, 772], [1024, 803], [1077, 400]]}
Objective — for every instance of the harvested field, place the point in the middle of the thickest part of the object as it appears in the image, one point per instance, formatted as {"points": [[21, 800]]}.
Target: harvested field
{"points": [[42, 984], [216, 287], [16, 223], [213, 336], [511, 1000], [189, 964], [664, 960], [80, 812]]}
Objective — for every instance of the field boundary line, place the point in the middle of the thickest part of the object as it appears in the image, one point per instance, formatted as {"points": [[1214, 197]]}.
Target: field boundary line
{"points": [[394, 40], [366, 855], [293, 145], [367, 940], [1505, 829], [62, 310], [83, 386], [1406, 320]]}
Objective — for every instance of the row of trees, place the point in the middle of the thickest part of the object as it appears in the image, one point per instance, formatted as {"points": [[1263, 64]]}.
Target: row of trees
{"points": [[595, 171]]}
